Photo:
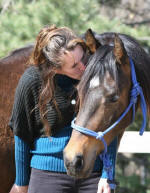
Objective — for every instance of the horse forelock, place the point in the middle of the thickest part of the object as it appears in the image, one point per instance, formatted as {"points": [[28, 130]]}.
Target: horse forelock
{"points": [[101, 62]]}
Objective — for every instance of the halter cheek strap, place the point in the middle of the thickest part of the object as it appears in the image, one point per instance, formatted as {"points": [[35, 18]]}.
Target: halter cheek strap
{"points": [[134, 93]]}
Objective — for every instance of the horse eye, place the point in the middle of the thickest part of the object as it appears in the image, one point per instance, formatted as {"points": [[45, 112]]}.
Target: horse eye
{"points": [[112, 98]]}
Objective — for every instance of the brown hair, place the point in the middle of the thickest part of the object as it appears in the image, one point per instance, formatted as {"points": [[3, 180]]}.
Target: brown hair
{"points": [[51, 43]]}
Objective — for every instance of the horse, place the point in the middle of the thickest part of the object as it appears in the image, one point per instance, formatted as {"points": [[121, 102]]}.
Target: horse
{"points": [[11, 68], [104, 95]]}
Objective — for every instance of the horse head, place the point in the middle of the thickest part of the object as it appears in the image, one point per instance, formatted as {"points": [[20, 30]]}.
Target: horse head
{"points": [[104, 94]]}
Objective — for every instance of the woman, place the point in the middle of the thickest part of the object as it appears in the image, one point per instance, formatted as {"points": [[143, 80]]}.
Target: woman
{"points": [[43, 107]]}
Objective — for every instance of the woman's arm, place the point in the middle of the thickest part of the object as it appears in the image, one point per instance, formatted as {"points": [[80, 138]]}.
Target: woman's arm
{"points": [[22, 161]]}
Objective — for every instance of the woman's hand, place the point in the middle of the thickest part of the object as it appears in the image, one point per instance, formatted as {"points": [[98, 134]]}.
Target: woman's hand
{"points": [[19, 189], [103, 186]]}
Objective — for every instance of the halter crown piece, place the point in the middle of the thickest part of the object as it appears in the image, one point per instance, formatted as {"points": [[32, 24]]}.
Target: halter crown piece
{"points": [[134, 93]]}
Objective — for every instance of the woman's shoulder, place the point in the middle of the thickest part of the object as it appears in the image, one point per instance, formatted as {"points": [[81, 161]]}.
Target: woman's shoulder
{"points": [[31, 73], [30, 79]]}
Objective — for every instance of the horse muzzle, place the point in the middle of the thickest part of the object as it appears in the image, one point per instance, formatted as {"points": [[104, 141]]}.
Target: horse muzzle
{"points": [[77, 166], [74, 166]]}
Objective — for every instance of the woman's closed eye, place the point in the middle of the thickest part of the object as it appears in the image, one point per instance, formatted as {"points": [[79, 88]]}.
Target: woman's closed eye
{"points": [[74, 65]]}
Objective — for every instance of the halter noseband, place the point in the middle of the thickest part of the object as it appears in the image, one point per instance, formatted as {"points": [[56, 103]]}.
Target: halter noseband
{"points": [[135, 91]]}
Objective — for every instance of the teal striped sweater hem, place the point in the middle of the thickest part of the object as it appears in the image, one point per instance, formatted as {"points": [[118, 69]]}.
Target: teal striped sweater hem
{"points": [[47, 155]]}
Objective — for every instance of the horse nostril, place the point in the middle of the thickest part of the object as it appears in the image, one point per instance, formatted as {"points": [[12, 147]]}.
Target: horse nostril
{"points": [[67, 162], [74, 165], [78, 162]]}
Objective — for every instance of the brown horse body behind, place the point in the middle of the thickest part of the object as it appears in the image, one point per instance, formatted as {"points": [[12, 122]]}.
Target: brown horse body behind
{"points": [[11, 68]]}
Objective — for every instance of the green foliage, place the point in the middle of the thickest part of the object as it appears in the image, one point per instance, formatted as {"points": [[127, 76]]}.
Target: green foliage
{"points": [[131, 182], [23, 19], [137, 123]]}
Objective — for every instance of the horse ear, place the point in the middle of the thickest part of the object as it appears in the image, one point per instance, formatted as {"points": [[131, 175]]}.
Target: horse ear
{"points": [[91, 42], [119, 50]]}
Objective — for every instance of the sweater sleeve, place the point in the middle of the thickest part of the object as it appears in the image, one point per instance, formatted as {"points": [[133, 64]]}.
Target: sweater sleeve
{"points": [[22, 161], [25, 119], [112, 152]]}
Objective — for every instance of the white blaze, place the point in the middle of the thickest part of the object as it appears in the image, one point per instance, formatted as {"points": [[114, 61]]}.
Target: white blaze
{"points": [[94, 82]]}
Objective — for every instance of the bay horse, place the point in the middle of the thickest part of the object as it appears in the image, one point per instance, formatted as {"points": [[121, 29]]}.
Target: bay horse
{"points": [[11, 68], [104, 94]]}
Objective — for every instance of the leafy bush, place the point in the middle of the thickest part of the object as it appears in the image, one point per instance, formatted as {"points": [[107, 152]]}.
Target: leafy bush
{"points": [[23, 19]]}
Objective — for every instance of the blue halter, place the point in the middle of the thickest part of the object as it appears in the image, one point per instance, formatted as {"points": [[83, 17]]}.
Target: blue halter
{"points": [[135, 91]]}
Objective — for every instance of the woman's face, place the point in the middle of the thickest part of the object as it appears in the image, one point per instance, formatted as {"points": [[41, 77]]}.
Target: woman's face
{"points": [[72, 63]]}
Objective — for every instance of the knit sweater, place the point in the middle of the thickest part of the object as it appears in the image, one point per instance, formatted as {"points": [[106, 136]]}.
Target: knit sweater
{"points": [[46, 153]]}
